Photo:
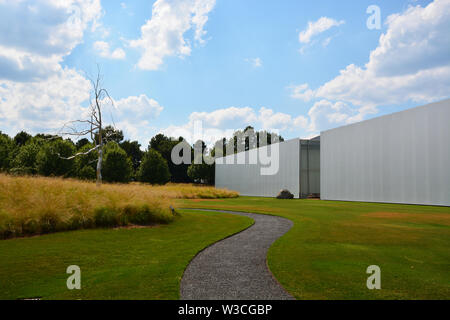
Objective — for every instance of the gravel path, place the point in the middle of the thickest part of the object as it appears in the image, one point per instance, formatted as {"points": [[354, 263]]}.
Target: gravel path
{"points": [[236, 267]]}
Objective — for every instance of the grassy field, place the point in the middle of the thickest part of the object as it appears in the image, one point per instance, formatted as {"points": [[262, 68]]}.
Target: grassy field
{"points": [[324, 256], [37, 205], [326, 253], [140, 263]]}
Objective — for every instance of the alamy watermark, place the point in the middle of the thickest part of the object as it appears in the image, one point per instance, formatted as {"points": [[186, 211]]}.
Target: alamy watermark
{"points": [[374, 280], [74, 280], [259, 150], [374, 20]]}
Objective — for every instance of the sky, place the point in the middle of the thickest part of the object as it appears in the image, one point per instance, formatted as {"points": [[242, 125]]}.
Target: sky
{"points": [[173, 66]]}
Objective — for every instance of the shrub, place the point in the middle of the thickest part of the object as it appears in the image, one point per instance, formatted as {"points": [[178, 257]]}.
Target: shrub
{"points": [[117, 167], [87, 173], [25, 160], [202, 173], [6, 147], [106, 217], [153, 168], [83, 162], [49, 160]]}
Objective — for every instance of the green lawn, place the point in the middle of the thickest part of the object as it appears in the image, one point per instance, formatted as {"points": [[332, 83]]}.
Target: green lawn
{"points": [[324, 256], [144, 263], [326, 253]]}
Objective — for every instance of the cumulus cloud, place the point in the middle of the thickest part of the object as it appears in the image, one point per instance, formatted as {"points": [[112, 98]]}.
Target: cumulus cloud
{"points": [[136, 114], [43, 105], [224, 122], [36, 93], [410, 63], [43, 33], [103, 49], [316, 27], [164, 34], [302, 92]]}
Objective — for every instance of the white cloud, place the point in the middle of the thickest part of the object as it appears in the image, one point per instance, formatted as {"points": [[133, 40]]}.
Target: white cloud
{"points": [[302, 92], [411, 63], [42, 106], [138, 107], [223, 122], [42, 34], [133, 115], [325, 114], [317, 27], [164, 34], [103, 50], [416, 40], [36, 93], [255, 62]]}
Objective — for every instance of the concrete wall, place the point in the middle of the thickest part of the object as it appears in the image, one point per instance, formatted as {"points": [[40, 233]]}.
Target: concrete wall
{"points": [[247, 178], [399, 158]]}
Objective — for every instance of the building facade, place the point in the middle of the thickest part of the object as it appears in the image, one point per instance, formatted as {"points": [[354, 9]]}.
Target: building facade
{"points": [[398, 158]]}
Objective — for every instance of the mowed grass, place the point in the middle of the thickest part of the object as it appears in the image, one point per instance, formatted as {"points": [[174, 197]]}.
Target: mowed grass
{"points": [[37, 205], [140, 263], [326, 254]]}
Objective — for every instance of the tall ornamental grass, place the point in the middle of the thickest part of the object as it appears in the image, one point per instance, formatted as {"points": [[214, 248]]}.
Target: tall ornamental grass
{"points": [[37, 205]]}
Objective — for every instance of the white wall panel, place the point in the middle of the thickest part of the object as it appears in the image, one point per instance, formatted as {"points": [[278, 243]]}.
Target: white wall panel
{"points": [[399, 158], [248, 180]]}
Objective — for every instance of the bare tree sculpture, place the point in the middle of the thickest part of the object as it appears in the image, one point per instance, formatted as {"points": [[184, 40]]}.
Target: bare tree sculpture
{"points": [[94, 124]]}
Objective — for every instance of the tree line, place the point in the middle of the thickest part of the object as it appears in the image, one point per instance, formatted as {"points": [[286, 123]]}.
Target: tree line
{"points": [[123, 160]]}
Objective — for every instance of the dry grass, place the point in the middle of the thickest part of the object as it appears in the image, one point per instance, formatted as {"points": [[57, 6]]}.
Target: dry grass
{"points": [[36, 205]]}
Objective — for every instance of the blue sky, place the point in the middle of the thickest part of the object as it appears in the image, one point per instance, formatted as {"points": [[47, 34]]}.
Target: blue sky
{"points": [[297, 67]]}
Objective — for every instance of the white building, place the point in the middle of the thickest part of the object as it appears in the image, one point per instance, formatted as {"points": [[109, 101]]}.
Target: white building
{"points": [[398, 158]]}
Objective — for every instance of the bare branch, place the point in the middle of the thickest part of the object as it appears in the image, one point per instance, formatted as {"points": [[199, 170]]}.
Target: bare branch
{"points": [[79, 154]]}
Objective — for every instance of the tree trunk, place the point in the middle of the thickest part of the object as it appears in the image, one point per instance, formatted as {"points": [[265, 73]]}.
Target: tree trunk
{"points": [[99, 166]]}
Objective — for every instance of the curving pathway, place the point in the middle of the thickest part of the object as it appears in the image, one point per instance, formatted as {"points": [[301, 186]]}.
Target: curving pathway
{"points": [[236, 267]]}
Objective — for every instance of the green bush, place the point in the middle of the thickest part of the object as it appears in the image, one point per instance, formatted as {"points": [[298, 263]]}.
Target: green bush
{"points": [[50, 158], [117, 167], [7, 226], [25, 159], [83, 162], [50, 222], [144, 215], [81, 221], [202, 173], [106, 218], [153, 168], [6, 147], [87, 173]]}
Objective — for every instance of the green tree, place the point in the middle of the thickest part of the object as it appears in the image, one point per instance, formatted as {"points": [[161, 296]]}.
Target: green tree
{"points": [[202, 173], [134, 152], [50, 159], [22, 138], [117, 167], [24, 161], [6, 148], [85, 163], [153, 168], [164, 146], [110, 134], [81, 143]]}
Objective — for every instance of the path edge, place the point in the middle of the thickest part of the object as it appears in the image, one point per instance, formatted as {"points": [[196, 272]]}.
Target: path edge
{"points": [[266, 260], [211, 244]]}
